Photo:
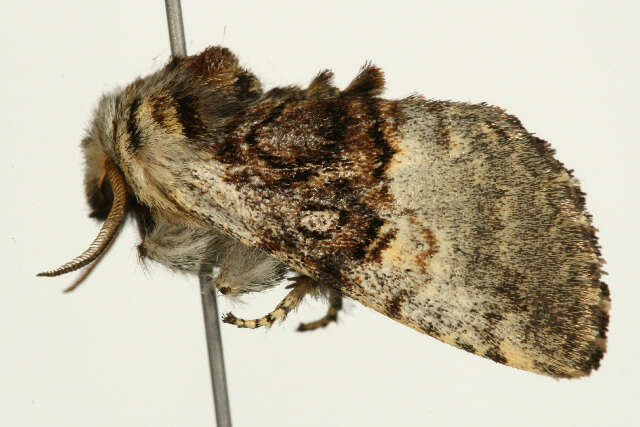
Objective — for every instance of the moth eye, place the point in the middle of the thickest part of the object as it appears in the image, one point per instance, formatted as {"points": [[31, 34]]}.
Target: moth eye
{"points": [[101, 201]]}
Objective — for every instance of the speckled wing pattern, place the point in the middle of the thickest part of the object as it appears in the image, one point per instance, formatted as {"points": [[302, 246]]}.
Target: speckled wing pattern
{"points": [[448, 217]]}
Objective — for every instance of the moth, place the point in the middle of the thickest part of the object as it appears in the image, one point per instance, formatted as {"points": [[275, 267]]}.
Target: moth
{"points": [[448, 217]]}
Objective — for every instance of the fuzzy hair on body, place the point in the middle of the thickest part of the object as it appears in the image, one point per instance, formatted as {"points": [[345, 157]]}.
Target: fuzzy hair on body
{"points": [[448, 217]]}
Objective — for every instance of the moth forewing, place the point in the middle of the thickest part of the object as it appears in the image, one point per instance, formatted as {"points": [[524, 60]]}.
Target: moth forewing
{"points": [[448, 217]]}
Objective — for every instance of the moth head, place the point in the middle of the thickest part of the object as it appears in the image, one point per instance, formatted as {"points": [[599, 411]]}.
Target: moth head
{"points": [[98, 147], [105, 187]]}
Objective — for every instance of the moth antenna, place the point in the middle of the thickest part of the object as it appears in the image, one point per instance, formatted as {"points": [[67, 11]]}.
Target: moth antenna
{"points": [[88, 269], [109, 227]]}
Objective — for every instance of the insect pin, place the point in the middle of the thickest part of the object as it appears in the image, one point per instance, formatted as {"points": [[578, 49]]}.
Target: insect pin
{"points": [[448, 217]]}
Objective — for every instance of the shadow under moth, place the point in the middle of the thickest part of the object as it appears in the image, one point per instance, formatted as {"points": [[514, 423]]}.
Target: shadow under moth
{"points": [[448, 217]]}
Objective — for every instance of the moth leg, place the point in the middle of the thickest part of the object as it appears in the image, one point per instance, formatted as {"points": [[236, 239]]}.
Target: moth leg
{"points": [[303, 285], [335, 305], [244, 269], [182, 248]]}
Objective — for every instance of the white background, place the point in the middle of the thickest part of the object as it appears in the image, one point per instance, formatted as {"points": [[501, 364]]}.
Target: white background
{"points": [[127, 348]]}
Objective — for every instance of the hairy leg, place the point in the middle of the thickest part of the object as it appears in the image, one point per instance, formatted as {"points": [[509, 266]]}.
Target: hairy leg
{"points": [[191, 249], [183, 248], [244, 269]]}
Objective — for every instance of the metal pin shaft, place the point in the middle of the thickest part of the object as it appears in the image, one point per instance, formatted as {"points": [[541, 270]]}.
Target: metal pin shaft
{"points": [[209, 303], [216, 360], [176, 27]]}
